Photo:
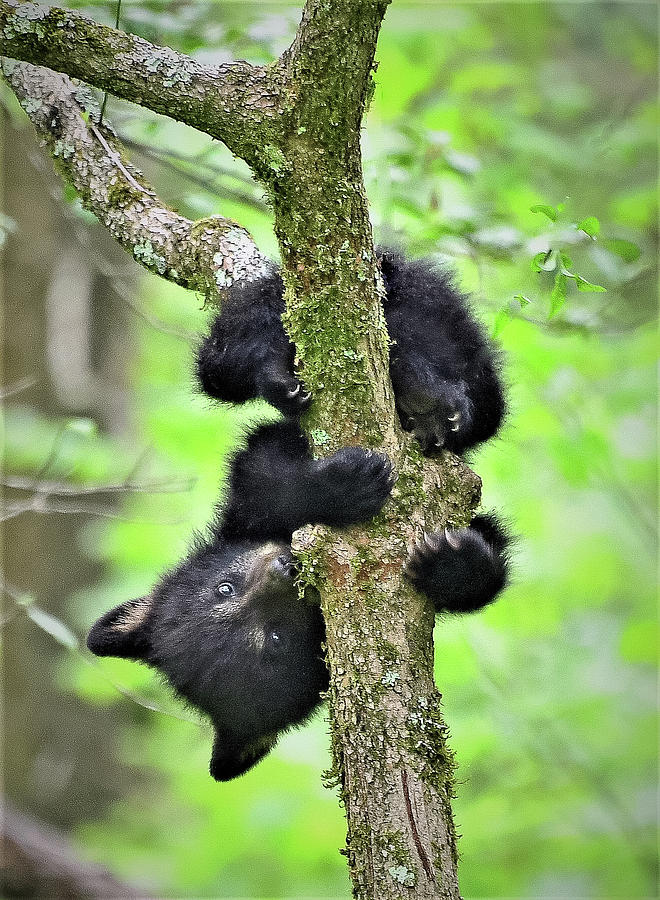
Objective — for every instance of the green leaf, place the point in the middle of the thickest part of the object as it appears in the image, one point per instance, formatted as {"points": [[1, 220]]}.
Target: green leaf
{"points": [[548, 211], [502, 319], [54, 627], [628, 251], [524, 301], [566, 260], [84, 427], [558, 295], [545, 261], [587, 287], [590, 226]]}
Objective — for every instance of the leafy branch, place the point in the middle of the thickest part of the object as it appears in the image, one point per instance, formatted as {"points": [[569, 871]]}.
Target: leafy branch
{"points": [[555, 265]]}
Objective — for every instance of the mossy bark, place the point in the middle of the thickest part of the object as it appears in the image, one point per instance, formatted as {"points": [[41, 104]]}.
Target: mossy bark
{"points": [[391, 759], [234, 102], [302, 139], [206, 256]]}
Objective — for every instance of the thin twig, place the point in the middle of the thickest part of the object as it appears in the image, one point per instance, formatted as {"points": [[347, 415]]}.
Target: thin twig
{"points": [[223, 193], [131, 695], [116, 159], [105, 95], [197, 160], [23, 384], [40, 504], [62, 489], [22, 603]]}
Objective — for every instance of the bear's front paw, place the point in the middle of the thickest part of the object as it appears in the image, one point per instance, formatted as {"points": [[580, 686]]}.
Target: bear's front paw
{"points": [[286, 393], [358, 483]]}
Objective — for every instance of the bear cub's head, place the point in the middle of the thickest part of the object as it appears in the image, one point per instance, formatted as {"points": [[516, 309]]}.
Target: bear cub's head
{"points": [[231, 634]]}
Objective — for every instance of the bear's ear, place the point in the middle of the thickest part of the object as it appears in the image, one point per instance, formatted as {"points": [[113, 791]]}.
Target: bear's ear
{"points": [[123, 631], [231, 758]]}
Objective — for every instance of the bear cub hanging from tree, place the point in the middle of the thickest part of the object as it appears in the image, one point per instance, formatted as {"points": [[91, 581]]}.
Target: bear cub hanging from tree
{"points": [[444, 372], [227, 626]]}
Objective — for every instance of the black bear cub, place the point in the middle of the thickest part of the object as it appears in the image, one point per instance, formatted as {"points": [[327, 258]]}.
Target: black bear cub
{"points": [[443, 370], [227, 626]]}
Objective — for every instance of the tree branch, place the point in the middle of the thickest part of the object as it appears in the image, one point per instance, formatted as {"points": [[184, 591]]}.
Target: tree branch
{"points": [[208, 255], [233, 102], [391, 759], [38, 861]]}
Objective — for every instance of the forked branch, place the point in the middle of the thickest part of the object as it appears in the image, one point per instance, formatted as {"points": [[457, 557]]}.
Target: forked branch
{"points": [[208, 255], [233, 102]]}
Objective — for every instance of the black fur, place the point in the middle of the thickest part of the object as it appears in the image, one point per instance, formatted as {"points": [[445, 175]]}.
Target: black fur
{"points": [[275, 486], [247, 354], [461, 570], [227, 627], [443, 370]]}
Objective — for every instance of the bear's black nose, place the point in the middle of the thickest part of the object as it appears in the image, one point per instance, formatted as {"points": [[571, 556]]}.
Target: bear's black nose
{"points": [[283, 565]]}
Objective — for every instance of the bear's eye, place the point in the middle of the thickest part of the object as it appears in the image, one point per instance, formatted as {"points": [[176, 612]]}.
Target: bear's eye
{"points": [[276, 642], [225, 589]]}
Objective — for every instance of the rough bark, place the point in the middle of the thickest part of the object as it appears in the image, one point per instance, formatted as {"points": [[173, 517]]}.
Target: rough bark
{"points": [[390, 753], [301, 135], [207, 255], [233, 102]]}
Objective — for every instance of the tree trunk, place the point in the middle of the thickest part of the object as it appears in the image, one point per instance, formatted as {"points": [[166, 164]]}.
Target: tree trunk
{"points": [[297, 123]]}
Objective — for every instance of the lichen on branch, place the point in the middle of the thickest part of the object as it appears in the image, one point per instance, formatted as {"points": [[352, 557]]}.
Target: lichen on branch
{"points": [[236, 102], [208, 255]]}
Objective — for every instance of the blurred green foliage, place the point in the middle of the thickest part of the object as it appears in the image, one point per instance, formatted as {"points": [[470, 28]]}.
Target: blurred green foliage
{"points": [[499, 135]]}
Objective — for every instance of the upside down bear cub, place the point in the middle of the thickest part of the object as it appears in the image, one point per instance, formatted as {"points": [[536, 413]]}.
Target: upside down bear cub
{"points": [[443, 371], [227, 627]]}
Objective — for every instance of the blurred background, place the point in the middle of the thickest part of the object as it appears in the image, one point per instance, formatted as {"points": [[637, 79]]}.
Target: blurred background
{"points": [[516, 143]]}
